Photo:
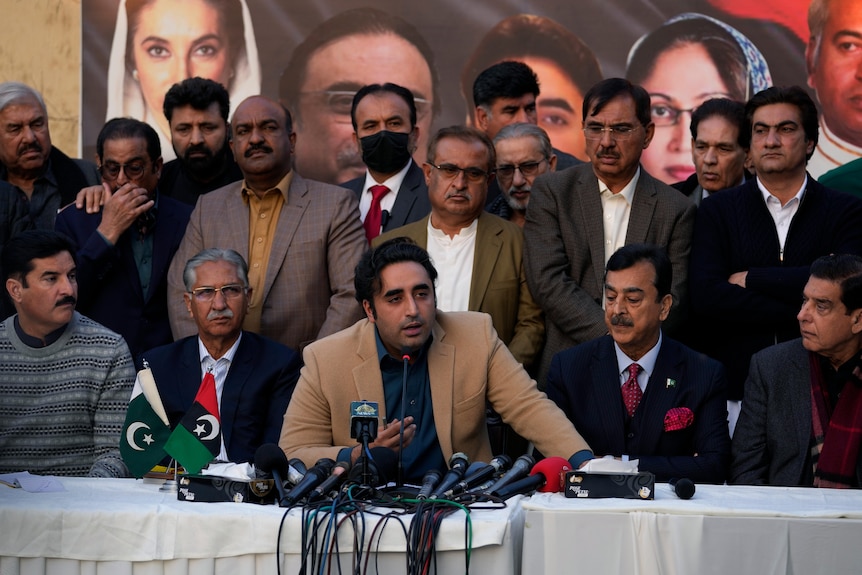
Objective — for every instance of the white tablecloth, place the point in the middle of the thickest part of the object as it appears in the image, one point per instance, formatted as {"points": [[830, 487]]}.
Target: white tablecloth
{"points": [[723, 530], [126, 526]]}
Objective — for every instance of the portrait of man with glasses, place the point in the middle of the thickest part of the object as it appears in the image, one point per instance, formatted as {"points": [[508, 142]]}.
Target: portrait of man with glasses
{"points": [[580, 216]]}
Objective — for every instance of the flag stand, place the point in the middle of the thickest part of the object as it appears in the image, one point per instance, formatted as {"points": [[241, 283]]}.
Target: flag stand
{"points": [[170, 485]]}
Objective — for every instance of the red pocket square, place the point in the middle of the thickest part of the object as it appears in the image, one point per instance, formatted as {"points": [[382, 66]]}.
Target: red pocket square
{"points": [[678, 418]]}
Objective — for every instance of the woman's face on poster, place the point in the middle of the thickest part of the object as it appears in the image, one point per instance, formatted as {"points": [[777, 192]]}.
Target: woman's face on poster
{"points": [[174, 40], [682, 78]]}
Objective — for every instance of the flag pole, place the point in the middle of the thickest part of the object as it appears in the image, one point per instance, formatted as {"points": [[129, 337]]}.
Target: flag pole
{"points": [[170, 485]]}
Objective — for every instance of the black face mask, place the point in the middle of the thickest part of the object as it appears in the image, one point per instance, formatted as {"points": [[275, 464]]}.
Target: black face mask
{"points": [[385, 152]]}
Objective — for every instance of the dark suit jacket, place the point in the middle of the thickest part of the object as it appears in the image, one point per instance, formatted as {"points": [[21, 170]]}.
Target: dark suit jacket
{"points": [[584, 381], [256, 391], [772, 440], [109, 288], [411, 202], [565, 255]]}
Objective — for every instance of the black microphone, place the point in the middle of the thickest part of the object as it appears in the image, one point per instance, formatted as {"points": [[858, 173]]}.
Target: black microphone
{"points": [[381, 466], [429, 482], [519, 469], [546, 475], [336, 478], [313, 477], [384, 218], [269, 458], [485, 472], [405, 355], [683, 487], [457, 466]]}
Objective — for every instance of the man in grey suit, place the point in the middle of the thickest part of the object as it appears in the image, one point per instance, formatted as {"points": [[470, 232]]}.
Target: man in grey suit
{"points": [[392, 192], [580, 216], [301, 238], [801, 421]]}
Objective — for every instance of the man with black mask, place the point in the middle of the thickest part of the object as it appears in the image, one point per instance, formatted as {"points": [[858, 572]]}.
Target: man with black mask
{"points": [[393, 192]]}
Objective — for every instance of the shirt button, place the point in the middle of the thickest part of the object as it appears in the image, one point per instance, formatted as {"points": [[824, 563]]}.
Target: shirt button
{"points": [[263, 215], [259, 240], [257, 265], [412, 402], [630, 435]]}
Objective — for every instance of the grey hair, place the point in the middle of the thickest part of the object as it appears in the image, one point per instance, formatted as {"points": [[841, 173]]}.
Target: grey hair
{"points": [[524, 130], [11, 92], [214, 255], [818, 14]]}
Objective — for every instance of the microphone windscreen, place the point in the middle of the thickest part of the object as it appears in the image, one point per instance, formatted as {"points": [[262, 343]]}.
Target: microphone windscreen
{"points": [[684, 488], [553, 469], [270, 457]]}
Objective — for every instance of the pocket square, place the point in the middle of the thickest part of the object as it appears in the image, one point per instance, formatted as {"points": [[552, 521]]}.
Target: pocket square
{"points": [[678, 418]]}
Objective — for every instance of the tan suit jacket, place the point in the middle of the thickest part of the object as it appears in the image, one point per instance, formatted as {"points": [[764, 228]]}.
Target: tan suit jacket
{"points": [[467, 364], [308, 291], [499, 283]]}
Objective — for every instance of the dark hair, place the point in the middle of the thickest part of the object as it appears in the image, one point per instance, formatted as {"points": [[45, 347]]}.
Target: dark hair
{"points": [[508, 79], [527, 35], [465, 134], [730, 110], [400, 91], [355, 22], [128, 128], [199, 93], [599, 95], [845, 270], [628, 256], [366, 279], [22, 249], [793, 95]]}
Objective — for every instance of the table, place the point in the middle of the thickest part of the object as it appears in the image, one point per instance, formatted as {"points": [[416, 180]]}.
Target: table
{"points": [[124, 526], [723, 530]]}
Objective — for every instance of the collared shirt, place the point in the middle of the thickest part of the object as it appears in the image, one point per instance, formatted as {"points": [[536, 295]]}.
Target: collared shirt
{"points": [[782, 216], [387, 201], [263, 216], [453, 258], [647, 363], [220, 368], [44, 203], [616, 209]]}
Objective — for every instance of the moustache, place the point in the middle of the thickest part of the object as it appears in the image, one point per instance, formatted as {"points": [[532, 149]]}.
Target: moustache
{"points": [[219, 313], [622, 320], [66, 300], [34, 146], [196, 148], [608, 154], [257, 147], [466, 195]]}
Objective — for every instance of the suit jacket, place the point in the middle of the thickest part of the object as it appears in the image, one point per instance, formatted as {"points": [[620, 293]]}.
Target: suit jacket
{"points": [[109, 287], [735, 232], [772, 440], [584, 381], [565, 254], [467, 365], [256, 390], [499, 283], [411, 202], [308, 291]]}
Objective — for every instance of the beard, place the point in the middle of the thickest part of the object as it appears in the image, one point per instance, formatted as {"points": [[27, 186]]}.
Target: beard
{"points": [[207, 166]]}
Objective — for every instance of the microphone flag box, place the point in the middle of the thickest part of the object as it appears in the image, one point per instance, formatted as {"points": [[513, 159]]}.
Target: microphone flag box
{"points": [[212, 488], [583, 485]]}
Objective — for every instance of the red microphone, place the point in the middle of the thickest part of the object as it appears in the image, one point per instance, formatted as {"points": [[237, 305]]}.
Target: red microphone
{"points": [[546, 476]]}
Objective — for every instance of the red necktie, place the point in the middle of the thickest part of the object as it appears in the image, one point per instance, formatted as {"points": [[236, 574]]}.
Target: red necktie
{"points": [[632, 393], [374, 216]]}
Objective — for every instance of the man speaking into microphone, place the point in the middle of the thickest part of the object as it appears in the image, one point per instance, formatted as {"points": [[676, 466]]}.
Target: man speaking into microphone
{"points": [[455, 363]]}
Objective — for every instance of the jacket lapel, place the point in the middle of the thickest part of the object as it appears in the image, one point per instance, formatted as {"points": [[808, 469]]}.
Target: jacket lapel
{"points": [[441, 372], [406, 197], [592, 218], [237, 376], [609, 406], [366, 375], [485, 255], [660, 396], [642, 211], [292, 211]]}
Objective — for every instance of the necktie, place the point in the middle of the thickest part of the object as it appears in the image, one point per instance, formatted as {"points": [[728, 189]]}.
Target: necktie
{"points": [[374, 216], [632, 393]]}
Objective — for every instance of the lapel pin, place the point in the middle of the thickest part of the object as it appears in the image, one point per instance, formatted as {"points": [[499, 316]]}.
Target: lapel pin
{"points": [[670, 383]]}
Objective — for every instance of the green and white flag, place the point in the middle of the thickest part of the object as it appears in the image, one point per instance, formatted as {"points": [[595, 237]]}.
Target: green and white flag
{"points": [[147, 428]]}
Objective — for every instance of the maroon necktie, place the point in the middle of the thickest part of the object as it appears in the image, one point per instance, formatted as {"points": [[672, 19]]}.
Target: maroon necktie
{"points": [[632, 393], [375, 215]]}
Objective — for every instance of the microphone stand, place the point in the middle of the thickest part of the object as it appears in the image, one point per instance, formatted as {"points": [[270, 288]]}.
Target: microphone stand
{"points": [[170, 485], [406, 357]]}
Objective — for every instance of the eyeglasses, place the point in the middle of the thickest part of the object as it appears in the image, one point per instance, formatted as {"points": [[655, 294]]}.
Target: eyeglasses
{"points": [[133, 171], [526, 169], [207, 294], [339, 103], [451, 172], [619, 132], [663, 115]]}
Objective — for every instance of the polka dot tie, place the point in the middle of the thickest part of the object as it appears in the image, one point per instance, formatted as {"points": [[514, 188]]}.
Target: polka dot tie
{"points": [[632, 393]]}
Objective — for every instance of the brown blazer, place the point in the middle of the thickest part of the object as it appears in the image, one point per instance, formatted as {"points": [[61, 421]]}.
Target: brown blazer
{"points": [[467, 364], [308, 291], [499, 283]]}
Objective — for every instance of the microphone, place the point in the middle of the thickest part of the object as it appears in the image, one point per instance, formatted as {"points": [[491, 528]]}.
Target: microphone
{"points": [[363, 421], [384, 218], [405, 355], [457, 466], [429, 482], [269, 458], [546, 476], [381, 466], [314, 477], [683, 487], [483, 473], [300, 468], [336, 478], [518, 470]]}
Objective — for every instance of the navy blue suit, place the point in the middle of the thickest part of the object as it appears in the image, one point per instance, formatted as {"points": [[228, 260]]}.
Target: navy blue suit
{"points": [[411, 203], [585, 383], [109, 288], [256, 391]]}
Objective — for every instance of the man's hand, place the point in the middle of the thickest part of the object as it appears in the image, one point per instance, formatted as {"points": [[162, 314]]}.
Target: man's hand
{"points": [[388, 437], [93, 198], [738, 279], [121, 210]]}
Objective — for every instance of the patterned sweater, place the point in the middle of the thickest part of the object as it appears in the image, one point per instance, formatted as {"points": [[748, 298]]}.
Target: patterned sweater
{"points": [[62, 407]]}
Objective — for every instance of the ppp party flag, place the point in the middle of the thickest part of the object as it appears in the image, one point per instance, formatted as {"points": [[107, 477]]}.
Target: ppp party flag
{"points": [[146, 430], [197, 439]]}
